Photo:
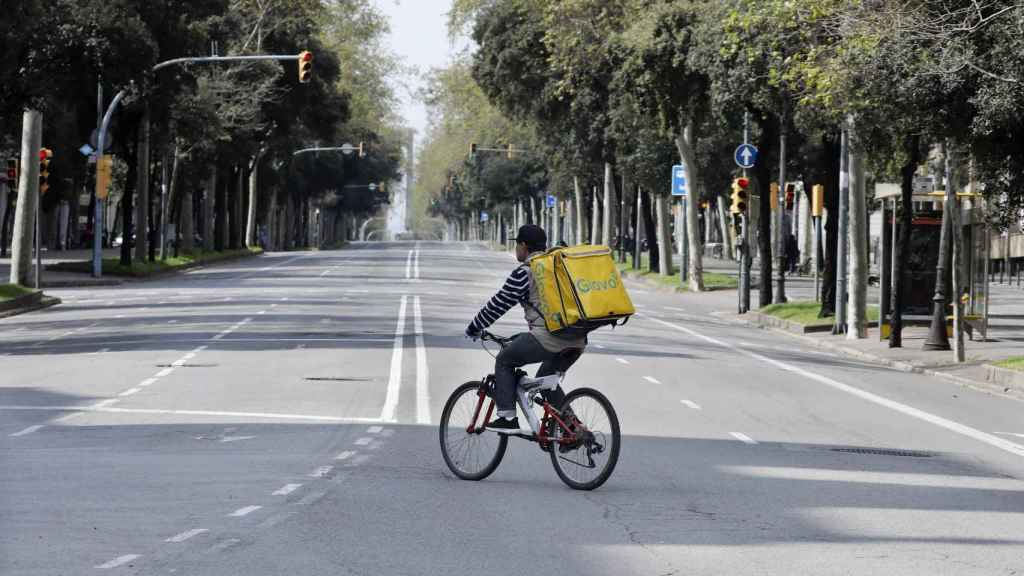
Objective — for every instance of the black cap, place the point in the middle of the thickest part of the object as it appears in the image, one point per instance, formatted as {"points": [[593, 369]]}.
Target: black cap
{"points": [[533, 236]]}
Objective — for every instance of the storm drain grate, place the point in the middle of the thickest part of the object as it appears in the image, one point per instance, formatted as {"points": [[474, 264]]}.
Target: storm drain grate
{"points": [[335, 379], [884, 452]]}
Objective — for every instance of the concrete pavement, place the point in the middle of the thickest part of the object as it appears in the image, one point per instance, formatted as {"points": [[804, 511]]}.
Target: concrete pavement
{"points": [[278, 415]]}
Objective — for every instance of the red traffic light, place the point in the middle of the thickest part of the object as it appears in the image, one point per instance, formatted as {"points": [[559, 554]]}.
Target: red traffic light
{"points": [[305, 66], [742, 182], [45, 154]]}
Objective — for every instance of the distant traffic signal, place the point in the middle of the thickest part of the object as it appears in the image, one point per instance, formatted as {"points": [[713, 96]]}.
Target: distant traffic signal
{"points": [[472, 150], [44, 169], [790, 196], [773, 194], [362, 150], [817, 200], [305, 66], [740, 196], [12, 172], [510, 151]]}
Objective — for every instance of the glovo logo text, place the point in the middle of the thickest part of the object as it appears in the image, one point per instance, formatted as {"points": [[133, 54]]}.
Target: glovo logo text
{"points": [[584, 285]]}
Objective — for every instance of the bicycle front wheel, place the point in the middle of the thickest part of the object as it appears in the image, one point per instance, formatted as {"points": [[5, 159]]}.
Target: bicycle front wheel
{"points": [[585, 455], [470, 452]]}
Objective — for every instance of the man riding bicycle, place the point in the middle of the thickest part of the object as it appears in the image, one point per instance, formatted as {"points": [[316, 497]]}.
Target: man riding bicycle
{"points": [[555, 353]]}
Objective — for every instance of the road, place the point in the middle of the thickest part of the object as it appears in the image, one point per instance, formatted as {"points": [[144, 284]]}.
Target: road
{"points": [[278, 416]]}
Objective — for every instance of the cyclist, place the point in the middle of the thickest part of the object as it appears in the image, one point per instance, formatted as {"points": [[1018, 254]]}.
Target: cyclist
{"points": [[556, 354]]}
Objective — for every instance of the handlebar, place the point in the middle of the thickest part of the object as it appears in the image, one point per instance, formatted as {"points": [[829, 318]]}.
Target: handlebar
{"points": [[487, 336]]}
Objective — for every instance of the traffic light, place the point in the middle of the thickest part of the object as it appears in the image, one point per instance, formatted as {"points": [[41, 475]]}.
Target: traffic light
{"points": [[790, 196], [472, 150], [509, 151], [44, 169], [305, 66], [773, 193], [104, 169], [383, 187], [362, 150], [12, 173], [740, 193], [817, 200]]}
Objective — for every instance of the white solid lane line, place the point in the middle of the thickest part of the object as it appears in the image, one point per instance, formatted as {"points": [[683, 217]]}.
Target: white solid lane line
{"points": [[652, 380], [286, 489], [690, 404], [164, 372], [104, 406], [416, 265], [408, 265], [186, 535], [28, 430], [939, 421], [387, 413], [743, 437], [422, 375], [244, 511], [130, 391], [119, 561], [146, 382]]}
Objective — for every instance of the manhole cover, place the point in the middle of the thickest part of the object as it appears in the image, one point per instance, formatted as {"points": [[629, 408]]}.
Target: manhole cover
{"points": [[335, 379], [884, 452]]}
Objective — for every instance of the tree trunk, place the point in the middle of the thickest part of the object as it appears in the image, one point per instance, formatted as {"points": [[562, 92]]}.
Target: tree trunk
{"points": [[595, 219], [220, 230], [581, 220], [208, 210], [781, 232], [623, 216], [126, 202], [4, 204], [723, 220], [831, 201], [857, 287], [687, 154], [912, 148], [186, 220], [250, 227], [762, 172], [28, 197], [606, 219], [142, 189], [650, 231], [664, 235]]}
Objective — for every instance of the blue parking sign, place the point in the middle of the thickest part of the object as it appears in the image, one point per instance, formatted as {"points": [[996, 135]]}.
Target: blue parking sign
{"points": [[551, 200], [680, 186]]}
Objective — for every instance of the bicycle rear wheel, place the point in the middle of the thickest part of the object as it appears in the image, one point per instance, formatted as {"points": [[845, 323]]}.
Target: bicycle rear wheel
{"points": [[470, 454], [585, 456]]}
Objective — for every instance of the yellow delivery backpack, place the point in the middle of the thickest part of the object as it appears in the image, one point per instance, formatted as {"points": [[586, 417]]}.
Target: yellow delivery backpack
{"points": [[579, 289]]}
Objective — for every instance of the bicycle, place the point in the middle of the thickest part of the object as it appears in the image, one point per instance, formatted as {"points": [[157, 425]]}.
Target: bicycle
{"points": [[578, 434]]}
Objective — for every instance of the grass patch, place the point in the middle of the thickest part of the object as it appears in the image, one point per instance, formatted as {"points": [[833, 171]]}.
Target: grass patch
{"points": [[806, 312], [113, 267], [1014, 363], [712, 280], [11, 291]]}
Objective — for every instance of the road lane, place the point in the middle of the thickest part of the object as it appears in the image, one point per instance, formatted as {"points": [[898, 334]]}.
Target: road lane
{"points": [[730, 464]]}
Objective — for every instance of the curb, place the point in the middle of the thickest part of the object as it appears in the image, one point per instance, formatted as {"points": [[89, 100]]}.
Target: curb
{"points": [[1014, 391], [794, 327], [119, 280], [656, 286], [82, 283], [27, 303], [1009, 380]]}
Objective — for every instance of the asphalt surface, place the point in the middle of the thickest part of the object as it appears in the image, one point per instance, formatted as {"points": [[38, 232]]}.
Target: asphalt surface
{"points": [[278, 416]]}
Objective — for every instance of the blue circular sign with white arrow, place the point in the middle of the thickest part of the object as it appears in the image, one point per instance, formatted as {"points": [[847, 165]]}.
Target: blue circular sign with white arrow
{"points": [[746, 155]]}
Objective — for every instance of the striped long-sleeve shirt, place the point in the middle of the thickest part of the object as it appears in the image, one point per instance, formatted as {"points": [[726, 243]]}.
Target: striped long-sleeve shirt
{"points": [[516, 290]]}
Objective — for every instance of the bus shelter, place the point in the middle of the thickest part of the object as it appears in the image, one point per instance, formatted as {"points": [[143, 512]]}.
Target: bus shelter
{"points": [[971, 256]]}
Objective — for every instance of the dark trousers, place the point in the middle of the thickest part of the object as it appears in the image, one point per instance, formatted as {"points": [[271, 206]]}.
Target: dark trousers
{"points": [[523, 350]]}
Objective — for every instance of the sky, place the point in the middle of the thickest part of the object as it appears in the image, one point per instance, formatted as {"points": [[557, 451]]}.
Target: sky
{"points": [[418, 35]]}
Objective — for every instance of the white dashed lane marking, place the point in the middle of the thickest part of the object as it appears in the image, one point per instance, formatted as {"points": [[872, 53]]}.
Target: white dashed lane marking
{"points": [[622, 361], [119, 561], [345, 455], [690, 404], [286, 489], [363, 441], [743, 438], [28, 430], [244, 511], [652, 380], [321, 472], [186, 535], [374, 429]]}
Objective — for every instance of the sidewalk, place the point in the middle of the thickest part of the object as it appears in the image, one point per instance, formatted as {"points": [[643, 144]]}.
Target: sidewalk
{"points": [[54, 279], [1005, 334]]}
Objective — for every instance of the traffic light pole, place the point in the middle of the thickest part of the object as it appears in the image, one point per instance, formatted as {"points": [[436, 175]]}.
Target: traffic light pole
{"points": [[97, 226], [215, 59]]}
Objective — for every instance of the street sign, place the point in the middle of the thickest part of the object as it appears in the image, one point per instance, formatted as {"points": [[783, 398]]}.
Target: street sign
{"points": [[924, 184], [484, 217], [86, 150], [551, 200], [680, 187], [746, 156]]}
